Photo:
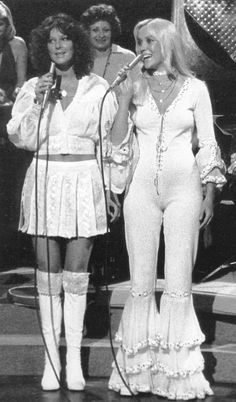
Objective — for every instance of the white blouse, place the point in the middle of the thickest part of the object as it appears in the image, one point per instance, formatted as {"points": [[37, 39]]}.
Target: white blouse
{"points": [[73, 130]]}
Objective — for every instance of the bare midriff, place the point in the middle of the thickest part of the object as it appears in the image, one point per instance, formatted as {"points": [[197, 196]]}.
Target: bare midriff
{"points": [[67, 157]]}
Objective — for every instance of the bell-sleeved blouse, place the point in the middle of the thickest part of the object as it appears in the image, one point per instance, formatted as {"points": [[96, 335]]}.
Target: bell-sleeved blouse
{"points": [[70, 131]]}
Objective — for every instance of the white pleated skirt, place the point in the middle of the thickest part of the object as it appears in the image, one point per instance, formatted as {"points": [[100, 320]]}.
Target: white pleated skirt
{"points": [[64, 199]]}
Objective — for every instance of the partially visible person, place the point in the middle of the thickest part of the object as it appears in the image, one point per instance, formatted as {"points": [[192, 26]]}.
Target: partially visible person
{"points": [[160, 347], [232, 166], [63, 200], [13, 55], [4, 100], [104, 28], [5, 114], [13, 69]]}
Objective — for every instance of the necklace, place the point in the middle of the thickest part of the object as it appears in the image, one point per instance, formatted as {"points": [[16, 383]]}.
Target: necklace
{"points": [[107, 63], [166, 92], [162, 88], [159, 73], [63, 93]]}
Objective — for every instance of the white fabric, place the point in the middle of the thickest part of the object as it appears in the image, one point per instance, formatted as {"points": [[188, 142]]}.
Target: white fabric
{"points": [[159, 350], [70, 200], [74, 310], [74, 130], [49, 288], [187, 119]]}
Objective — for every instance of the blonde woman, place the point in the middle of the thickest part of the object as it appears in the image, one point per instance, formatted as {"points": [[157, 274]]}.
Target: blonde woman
{"points": [[160, 348], [13, 55]]}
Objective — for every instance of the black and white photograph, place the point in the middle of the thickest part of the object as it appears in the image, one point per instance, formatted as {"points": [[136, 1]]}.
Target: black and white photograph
{"points": [[117, 200]]}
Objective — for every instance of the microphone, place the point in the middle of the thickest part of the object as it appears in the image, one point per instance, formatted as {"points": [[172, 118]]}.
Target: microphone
{"points": [[47, 92], [56, 90], [123, 76]]}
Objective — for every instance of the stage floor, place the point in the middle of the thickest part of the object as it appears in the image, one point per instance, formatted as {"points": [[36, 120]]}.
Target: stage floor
{"points": [[27, 389], [21, 347]]}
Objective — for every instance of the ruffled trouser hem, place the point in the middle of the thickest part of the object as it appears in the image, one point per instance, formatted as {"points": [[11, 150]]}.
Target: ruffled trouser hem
{"points": [[159, 352], [158, 383]]}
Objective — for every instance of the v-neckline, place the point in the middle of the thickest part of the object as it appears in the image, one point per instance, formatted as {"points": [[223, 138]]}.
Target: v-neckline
{"points": [[72, 100], [173, 102]]}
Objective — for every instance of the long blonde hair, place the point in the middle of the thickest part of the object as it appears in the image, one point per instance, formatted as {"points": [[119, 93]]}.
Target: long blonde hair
{"points": [[6, 15], [171, 47]]}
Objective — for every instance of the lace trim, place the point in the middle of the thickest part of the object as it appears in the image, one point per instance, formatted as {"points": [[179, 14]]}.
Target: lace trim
{"points": [[180, 345], [160, 367], [136, 369], [177, 294], [145, 293], [152, 343], [161, 145], [49, 283], [135, 388], [213, 179], [74, 282], [157, 342], [215, 161], [175, 101]]}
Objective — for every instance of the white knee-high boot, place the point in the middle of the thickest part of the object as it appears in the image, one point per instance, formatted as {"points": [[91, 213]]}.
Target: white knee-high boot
{"points": [[75, 286], [49, 289]]}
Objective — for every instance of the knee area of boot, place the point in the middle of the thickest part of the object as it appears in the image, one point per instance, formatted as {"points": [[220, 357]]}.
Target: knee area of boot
{"points": [[75, 282], [49, 283]]}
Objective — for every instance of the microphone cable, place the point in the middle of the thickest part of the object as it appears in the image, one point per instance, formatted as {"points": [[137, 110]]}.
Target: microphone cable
{"points": [[106, 251], [48, 258]]}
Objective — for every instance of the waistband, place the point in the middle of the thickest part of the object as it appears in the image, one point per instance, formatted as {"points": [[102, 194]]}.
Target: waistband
{"points": [[66, 157]]}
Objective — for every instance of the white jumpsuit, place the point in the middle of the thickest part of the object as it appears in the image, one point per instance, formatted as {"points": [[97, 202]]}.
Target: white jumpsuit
{"points": [[159, 350]]}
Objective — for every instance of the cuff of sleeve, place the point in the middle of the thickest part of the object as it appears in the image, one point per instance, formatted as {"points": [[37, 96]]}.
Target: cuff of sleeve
{"points": [[215, 176]]}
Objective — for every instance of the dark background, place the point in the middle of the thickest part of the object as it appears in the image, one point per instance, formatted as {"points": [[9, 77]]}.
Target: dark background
{"points": [[29, 13], [15, 248]]}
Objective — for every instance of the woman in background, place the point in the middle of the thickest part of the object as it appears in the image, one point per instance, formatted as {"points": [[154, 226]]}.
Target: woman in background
{"points": [[13, 68], [104, 27], [160, 350], [13, 55]]}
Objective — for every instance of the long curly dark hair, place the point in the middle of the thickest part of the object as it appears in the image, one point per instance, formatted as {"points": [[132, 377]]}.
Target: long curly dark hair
{"points": [[102, 12], [39, 37]]}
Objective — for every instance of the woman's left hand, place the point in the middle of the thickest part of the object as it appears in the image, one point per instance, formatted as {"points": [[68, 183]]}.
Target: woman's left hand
{"points": [[113, 206], [206, 211]]}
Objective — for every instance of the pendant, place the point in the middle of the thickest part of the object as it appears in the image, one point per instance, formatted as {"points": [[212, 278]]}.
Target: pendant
{"points": [[63, 93], [161, 100], [158, 73]]}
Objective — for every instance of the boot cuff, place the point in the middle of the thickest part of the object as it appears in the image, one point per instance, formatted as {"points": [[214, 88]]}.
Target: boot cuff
{"points": [[49, 283], [74, 282]]}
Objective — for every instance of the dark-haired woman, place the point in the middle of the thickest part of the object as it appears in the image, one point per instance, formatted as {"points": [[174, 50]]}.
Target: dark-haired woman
{"points": [[104, 27], [70, 199]]}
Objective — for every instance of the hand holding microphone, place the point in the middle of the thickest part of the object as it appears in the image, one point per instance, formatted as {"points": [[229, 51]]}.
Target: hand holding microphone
{"points": [[43, 87], [122, 75]]}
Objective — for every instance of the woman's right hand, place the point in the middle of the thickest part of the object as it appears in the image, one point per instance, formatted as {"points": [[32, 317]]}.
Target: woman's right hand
{"points": [[126, 90], [43, 84]]}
